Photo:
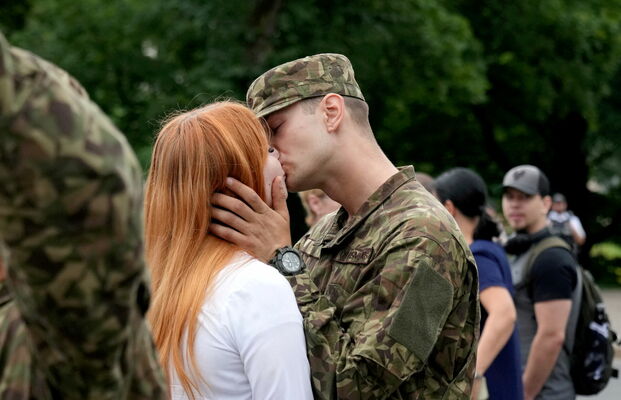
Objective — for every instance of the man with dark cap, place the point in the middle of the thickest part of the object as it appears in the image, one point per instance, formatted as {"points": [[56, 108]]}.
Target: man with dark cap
{"points": [[72, 320], [389, 292], [546, 291]]}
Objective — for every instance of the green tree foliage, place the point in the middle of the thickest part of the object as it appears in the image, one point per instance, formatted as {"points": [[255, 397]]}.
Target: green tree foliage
{"points": [[550, 65], [486, 84], [141, 59]]}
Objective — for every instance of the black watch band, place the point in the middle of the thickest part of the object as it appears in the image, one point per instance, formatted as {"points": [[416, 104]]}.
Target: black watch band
{"points": [[287, 261]]}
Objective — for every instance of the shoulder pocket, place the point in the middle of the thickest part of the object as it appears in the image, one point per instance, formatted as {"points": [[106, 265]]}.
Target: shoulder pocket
{"points": [[423, 312], [310, 248]]}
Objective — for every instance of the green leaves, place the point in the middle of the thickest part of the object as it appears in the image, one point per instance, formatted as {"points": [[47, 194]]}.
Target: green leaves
{"points": [[486, 84]]}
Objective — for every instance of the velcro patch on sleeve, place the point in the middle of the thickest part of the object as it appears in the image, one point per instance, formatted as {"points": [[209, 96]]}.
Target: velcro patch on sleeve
{"points": [[423, 312]]}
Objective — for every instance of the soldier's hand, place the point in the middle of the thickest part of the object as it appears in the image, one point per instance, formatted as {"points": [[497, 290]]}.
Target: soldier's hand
{"points": [[251, 224]]}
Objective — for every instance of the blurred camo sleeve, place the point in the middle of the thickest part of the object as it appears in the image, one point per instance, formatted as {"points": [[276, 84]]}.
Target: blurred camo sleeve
{"points": [[71, 217]]}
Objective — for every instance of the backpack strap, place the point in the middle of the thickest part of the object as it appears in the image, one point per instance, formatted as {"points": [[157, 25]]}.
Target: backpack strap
{"points": [[540, 247]]}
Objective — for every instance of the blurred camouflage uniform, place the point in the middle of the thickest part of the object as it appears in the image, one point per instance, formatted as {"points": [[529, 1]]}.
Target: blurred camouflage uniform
{"points": [[390, 295], [72, 319]]}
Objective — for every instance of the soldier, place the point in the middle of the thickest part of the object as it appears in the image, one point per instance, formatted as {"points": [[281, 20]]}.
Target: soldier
{"points": [[390, 293], [72, 320]]}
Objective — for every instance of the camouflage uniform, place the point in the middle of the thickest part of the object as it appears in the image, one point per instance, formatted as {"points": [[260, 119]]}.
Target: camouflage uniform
{"points": [[390, 299], [72, 321], [390, 295]]}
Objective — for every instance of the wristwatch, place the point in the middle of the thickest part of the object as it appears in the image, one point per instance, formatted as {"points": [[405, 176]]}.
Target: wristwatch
{"points": [[287, 261]]}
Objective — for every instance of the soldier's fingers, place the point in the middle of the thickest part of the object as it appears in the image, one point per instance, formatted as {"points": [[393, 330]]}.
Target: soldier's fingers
{"points": [[232, 205], [226, 233], [230, 219], [248, 195]]}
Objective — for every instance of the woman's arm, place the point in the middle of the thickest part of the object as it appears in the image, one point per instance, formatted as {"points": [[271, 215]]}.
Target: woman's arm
{"points": [[499, 325]]}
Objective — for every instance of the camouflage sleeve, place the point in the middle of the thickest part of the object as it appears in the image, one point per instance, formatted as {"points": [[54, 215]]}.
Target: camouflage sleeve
{"points": [[70, 213], [16, 364], [390, 327]]}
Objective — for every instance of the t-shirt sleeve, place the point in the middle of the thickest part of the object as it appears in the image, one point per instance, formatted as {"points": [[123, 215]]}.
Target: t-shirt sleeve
{"points": [[270, 338], [489, 271], [577, 225], [553, 275]]}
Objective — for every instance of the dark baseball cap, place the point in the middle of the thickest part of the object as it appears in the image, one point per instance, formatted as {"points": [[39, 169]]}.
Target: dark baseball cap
{"points": [[528, 179], [559, 198]]}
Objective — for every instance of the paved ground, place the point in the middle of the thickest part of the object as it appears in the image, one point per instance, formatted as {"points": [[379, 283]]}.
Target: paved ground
{"points": [[612, 299]]}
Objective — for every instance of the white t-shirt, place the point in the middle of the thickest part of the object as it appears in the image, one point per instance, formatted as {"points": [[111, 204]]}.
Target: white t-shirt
{"points": [[249, 340], [574, 221]]}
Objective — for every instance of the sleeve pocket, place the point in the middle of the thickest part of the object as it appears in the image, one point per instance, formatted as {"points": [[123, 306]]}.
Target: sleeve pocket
{"points": [[423, 312]]}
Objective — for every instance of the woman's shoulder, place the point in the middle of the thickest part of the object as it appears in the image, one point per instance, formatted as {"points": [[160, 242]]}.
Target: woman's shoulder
{"points": [[254, 288], [248, 276], [246, 282], [487, 248], [249, 270]]}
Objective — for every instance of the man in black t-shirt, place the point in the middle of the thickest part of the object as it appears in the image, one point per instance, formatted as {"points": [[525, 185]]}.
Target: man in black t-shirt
{"points": [[546, 294]]}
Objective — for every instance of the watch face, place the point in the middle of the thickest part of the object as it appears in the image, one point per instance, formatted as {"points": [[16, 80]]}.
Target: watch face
{"points": [[291, 262]]}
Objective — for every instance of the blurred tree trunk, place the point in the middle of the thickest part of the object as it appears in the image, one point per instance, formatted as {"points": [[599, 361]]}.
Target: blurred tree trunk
{"points": [[263, 23]]}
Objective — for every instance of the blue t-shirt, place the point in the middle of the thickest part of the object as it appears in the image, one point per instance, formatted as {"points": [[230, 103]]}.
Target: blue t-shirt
{"points": [[504, 375]]}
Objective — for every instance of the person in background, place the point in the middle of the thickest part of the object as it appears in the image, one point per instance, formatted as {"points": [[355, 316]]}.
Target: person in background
{"points": [[565, 223], [464, 194], [226, 325], [72, 322], [316, 204], [547, 292], [427, 181]]}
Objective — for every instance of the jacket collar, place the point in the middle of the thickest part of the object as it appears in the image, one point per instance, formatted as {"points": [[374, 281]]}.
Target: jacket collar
{"points": [[342, 226]]}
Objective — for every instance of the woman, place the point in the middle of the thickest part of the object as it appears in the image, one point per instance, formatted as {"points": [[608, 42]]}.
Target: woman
{"points": [[226, 325], [464, 194]]}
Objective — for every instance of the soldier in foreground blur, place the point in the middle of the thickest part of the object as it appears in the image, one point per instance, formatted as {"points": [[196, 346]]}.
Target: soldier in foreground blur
{"points": [[390, 295], [72, 313]]}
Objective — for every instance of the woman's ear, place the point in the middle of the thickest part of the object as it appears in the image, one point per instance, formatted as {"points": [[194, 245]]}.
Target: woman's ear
{"points": [[333, 109]]}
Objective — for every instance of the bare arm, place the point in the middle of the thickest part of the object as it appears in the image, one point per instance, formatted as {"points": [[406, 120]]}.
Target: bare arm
{"points": [[577, 231], [250, 223], [498, 328], [552, 317]]}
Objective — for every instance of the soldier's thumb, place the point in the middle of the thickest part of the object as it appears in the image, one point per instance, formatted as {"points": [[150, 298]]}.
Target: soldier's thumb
{"points": [[279, 197]]}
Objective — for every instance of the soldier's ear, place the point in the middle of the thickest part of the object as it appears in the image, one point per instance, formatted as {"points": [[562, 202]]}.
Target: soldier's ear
{"points": [[333, 110]]}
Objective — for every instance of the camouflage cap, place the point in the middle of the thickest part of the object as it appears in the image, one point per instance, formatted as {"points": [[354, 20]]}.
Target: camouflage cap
{"points": [[307, 77]]}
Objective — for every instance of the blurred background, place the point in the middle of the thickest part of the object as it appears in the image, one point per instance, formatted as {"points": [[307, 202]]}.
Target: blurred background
{"points": [[485, 84]]}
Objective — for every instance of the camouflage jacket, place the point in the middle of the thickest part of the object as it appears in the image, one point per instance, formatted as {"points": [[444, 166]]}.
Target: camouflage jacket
{"points": [[71, 217], [390, 299]]}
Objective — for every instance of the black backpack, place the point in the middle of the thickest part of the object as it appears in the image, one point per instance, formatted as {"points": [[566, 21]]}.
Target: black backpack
{"points": [[593, 351]]}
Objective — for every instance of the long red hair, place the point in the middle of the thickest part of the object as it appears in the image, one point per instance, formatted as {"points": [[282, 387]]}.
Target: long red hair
{"points": [[193, 154]]}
